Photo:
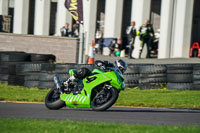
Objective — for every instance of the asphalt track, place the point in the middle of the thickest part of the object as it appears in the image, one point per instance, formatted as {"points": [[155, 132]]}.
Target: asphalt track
{"points": [[160, 116]]}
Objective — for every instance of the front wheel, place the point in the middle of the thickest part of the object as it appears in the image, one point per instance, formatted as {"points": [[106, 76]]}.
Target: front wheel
{"points": [[52, 100], [104, 99]]}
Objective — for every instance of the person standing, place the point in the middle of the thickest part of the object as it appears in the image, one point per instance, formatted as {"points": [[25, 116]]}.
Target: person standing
{"points": [[75, 29], [131, 34], [146, 35], [65, 30]]}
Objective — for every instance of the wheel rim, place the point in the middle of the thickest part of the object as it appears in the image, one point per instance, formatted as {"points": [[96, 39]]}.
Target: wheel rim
{"points": [[54, 96], [102, 97]]}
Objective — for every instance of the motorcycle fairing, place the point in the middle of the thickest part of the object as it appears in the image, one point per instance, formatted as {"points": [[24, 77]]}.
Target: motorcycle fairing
{"points": [[83, 100]]}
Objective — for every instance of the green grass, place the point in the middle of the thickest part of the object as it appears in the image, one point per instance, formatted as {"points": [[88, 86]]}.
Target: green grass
{"points": [[159, 98], [18, 93], [129, 97], [52, 126]]}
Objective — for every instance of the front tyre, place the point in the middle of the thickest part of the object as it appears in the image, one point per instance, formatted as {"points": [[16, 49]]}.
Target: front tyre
{"points": [[52, 100], [104, 99]]}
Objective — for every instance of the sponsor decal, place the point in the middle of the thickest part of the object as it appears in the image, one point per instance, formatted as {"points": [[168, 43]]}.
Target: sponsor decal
{"points": [[75, 7]]}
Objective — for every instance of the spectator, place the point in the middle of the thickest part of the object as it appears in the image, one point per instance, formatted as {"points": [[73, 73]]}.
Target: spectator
{"points": [[131, 34], [115, 47], [146, 36], [99, 42], [75, 30], [65, 30]]}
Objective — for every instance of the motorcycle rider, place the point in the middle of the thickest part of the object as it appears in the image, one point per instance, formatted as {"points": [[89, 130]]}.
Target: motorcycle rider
{"points": [[85, 72]]}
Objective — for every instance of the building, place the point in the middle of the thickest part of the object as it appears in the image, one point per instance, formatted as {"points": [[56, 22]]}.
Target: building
{"points": [[178, 20]]}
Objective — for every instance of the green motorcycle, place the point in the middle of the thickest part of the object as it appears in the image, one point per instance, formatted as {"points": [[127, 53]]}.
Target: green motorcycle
{"points": [[98, 91]]}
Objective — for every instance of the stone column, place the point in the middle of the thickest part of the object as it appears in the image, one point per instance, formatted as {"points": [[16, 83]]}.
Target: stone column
{"points": [[42, 17], [21, 13], [90, 14], [167, 13], [182, 29], [140, 12], [63, 16], [3, 7], [113, 18]]}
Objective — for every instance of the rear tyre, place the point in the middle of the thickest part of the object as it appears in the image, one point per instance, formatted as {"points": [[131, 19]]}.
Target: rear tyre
{"points": [[52, 100], [104, 99]]}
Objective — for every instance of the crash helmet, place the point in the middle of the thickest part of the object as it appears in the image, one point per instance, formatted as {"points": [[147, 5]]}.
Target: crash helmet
{"points": [[121, 65]]}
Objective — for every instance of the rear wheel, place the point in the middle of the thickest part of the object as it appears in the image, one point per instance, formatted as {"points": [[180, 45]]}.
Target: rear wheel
{"points": [[52, 100], [104, 98]]}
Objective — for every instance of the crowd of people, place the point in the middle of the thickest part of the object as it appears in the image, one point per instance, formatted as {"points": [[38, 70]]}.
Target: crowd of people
{"points": [[118, 46], [65, 30]]}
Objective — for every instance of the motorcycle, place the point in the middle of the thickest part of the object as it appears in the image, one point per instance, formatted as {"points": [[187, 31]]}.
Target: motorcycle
{"points": [[98, 91]]}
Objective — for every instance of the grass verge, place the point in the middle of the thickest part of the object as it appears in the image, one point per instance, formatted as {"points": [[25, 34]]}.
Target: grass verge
{"points": [[18, 93], [159, 98], [53, 126], [129, 97]]}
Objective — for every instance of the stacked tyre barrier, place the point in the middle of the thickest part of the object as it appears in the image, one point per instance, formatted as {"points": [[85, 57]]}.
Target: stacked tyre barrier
{"points": [[196, 77], [16, 67], [7, 67], [152, 76], [48, 72], [132, 76], [37, 70], [180, 76]]}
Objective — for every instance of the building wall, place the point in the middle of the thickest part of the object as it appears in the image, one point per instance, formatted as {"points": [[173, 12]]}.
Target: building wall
{"points": [[137, 10], [65, 49]]}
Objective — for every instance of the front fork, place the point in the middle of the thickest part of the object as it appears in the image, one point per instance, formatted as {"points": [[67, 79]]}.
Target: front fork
{"points": [[58, 84]]}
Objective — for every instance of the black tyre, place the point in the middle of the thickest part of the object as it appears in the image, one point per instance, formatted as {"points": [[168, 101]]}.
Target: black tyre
{"points": [[8, 57], [32, 67], [179, 66], [103, 99], [43, 57], [4, 77], [132, 69], [196, 67], [23, 68], [46, 67], [153, 75], [179, 78], [150, 86], [16, 80], [131, 77], [179, 86], [196, 77], [196, 87], [52, 100], [46, 85], [180, 71], [196, 82], [31, 84], [64, 68], [4, 70], [196, 72], [31, 76], [131, 84], [90, 67], [153, 69], [4, 82], [46, 76]]}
